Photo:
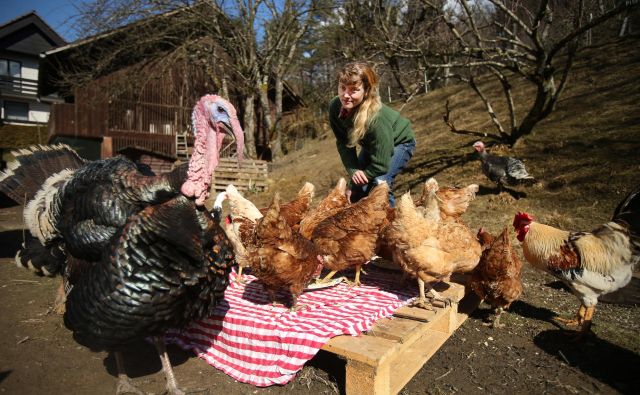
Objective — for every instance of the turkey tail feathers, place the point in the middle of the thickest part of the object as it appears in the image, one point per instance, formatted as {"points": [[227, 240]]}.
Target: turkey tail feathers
{"points": [[31, 168], [40, 259]]}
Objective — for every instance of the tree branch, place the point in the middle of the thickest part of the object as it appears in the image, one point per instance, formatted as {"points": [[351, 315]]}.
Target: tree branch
{"points": [[447, 119]]}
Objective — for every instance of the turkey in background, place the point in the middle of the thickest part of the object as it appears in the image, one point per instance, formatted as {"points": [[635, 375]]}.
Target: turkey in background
{"points": [[504, 170]]}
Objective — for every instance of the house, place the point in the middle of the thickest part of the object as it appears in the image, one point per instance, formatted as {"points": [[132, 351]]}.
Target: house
{"points": [[24, 112], [139, 102]]}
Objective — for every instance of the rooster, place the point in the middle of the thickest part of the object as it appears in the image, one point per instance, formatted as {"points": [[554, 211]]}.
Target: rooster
{"points": [[503, 170], [496, 279], [141, 254], [592, 263]]}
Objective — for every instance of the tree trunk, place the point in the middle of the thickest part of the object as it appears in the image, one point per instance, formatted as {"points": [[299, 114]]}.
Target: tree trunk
{"points": [[249, 126], [392, 61], [279, 87], [543, 105], [274, 141]]}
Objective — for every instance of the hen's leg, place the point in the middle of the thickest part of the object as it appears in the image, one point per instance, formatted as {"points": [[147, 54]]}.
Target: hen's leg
{"points": [[441, 300], [356, 281], [124, 385], [327, 277], [421, 300], [496, 321], [585, 324], [172, 386], [239, 279]]}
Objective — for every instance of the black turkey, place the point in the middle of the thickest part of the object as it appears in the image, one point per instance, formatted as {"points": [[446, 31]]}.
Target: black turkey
{"points": [[139, 253], [503, 170]]}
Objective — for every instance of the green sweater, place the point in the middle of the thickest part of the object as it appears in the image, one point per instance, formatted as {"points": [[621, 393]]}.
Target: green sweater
{"points": [[387, 130]]}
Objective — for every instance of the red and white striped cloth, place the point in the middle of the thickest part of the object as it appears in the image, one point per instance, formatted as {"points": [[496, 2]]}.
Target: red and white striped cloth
{"points": [[258, 343]]}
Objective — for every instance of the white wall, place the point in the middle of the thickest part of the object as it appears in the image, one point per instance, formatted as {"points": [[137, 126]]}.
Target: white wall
{"points": [[39, 112], [29, 66]]}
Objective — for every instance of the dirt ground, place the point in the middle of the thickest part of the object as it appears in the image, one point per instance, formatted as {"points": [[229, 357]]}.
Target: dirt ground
{"points": [[586, 158]]}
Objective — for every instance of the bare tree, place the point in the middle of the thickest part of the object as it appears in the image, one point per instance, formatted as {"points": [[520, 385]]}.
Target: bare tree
{"points": [[289, 21], [395, 33], [515, 39]]}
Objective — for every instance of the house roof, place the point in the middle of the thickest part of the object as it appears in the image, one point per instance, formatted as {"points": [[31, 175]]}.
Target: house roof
{"points": [[55, 59], [28, 34]]}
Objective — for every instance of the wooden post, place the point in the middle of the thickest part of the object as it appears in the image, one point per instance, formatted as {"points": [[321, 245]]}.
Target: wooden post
{"points": [[364, 379], [106, 148]]}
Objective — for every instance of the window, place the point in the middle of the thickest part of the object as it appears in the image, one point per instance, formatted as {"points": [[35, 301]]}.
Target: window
{"points": [[10, 68], [16, 111]]}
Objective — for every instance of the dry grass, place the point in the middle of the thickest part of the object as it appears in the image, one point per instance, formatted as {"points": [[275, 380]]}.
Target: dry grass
{"points": [[584, 154]]}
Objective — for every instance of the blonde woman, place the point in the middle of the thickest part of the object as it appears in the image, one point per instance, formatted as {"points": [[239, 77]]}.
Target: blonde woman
{"points": [[358, 117]]}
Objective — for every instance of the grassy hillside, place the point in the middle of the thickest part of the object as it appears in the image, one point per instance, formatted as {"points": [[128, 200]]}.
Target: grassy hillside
{"points": [[585, 154]]}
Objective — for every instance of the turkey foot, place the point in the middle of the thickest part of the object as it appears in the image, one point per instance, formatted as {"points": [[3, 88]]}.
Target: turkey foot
{"points": [[124, 384], [172, 385]]}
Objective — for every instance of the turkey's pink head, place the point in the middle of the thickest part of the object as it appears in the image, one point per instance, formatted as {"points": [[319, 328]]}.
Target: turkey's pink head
{"points": [[521, 223], [213, 117], [479, 146]]}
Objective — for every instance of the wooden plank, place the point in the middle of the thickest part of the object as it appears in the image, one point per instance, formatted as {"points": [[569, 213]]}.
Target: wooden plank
{"points": [[407, 363], [416, 313], [238, 174], [395, 329], [388, 356], [249, 174], [363, 379], [241, 184], [366, 349]]}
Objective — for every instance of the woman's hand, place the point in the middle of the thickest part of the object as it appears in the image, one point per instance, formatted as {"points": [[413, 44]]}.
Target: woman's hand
{"points": [[359, 178]]}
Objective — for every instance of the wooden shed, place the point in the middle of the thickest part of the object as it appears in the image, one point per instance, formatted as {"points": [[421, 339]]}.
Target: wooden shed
{"points": [[140, 105]]}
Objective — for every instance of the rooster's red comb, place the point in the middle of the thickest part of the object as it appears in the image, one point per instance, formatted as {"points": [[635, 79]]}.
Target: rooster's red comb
{"points": [[521, 217]]}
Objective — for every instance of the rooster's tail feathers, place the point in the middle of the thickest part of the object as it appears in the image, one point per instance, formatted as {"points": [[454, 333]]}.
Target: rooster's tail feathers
{"points": [[628, 212], [631, 203], [32, 166]]}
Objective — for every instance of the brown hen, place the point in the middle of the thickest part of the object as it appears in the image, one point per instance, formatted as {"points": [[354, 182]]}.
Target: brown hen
{"points": [[348, 238], [427, 249], [452, 201], [244, 216], [496, 279], [281, 258], [335, 201]]}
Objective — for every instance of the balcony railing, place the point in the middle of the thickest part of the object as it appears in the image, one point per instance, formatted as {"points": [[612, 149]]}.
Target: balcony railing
{"points": [[20, 86]]}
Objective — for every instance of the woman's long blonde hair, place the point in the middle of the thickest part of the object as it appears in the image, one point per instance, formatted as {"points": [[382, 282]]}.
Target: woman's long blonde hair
{"points": [[354, 73]]}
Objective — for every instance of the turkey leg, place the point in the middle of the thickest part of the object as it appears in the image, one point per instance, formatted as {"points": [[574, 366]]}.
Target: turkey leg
{"points": [[172, 386], [124, 385]]}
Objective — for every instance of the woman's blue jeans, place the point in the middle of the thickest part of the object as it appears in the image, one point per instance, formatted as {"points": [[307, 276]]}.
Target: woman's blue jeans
{"points": [[401, 155]]}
